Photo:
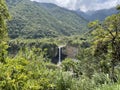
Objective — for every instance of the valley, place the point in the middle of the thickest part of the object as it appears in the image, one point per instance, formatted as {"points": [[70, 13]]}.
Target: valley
{"points": [[54, 45]]}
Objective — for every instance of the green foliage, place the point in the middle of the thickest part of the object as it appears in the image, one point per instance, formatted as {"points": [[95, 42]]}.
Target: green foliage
{"points": [[47, 45], [64, 81], [109, 87], [69, 65], [4, 15], [19, 74], [13, 74], [107, 43], [28, 70]]}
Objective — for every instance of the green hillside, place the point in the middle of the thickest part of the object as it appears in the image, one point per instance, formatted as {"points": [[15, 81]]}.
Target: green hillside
{"points": [[37, 20]]}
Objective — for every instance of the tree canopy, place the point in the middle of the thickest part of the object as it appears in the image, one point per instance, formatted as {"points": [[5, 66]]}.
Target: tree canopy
{"points": [[4, 15]]}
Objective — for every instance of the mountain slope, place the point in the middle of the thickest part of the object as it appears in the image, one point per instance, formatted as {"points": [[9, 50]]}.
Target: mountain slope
{"points": [[37, 20], [97, 15]]}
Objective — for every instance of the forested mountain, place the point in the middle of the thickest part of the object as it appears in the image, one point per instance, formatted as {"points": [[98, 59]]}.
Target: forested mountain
{"points": [[37, 20], [97, 15]]}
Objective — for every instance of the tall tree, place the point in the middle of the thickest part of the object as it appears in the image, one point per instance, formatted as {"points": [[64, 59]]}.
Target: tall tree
{"points": [[4, 16], [108, 31]]}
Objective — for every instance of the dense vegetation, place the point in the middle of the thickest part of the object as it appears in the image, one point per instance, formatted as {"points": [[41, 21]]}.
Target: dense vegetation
{"points": [[97, 66], [4, 15], [36, 20]]}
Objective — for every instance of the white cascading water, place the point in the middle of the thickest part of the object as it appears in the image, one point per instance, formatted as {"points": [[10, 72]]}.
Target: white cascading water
{"points": [[59, 55]]}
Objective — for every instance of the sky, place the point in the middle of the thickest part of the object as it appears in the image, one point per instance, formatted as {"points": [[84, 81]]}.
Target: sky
{"points": [[83, 5]]}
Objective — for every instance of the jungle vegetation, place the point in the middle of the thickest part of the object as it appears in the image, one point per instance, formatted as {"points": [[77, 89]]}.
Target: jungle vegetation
{"points": [[97, 66]]}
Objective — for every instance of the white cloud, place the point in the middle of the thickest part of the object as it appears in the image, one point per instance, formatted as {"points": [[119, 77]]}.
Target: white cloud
{"points": [[83, 5]]}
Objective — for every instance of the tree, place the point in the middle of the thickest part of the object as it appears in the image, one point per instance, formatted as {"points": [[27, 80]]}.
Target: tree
{"points": [[118, 7], [108, 32], [112, 25], [4, 16]]}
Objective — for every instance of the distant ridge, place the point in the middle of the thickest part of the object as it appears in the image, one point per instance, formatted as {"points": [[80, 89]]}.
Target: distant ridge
{"points": [[97, 15]]}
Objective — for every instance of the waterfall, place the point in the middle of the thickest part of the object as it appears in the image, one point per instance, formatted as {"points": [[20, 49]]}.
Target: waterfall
{"points": [[60, 53], [59, 48]]}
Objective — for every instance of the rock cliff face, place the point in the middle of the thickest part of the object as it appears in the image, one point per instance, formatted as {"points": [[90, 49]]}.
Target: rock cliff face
{"points": [[71, 51]]}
